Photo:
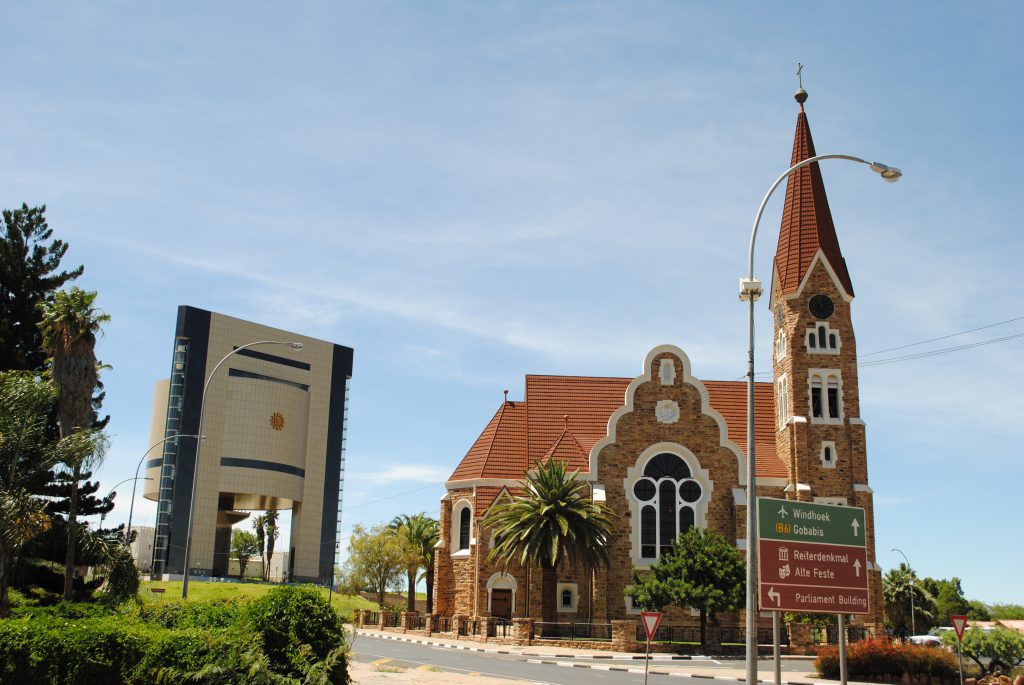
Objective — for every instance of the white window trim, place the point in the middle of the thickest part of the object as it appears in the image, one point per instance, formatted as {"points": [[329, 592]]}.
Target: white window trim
{"points": [[825, 375], [783, 400], [829, 331], [457, 508], [631, 608], [572, 587], [781, 348], [835, 455], [835, 501], [636, 472], [502, 581]]}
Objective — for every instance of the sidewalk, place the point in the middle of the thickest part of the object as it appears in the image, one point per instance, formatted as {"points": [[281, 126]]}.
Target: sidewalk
{"points": [[632, 662]]}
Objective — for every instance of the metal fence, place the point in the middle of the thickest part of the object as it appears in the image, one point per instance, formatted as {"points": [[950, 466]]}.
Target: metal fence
{"points": [[499, 627], [443, 624], [571, 631], [853, 634], [372, 618], [392, 620], [670, 634], [468, 626], [417, 622]]}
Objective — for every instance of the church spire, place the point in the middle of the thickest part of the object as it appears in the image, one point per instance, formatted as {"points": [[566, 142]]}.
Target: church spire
{"points": [[806, 220]]}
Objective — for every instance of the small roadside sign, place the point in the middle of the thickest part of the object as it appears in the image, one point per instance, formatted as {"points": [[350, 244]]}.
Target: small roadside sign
{"points": [[651, 620], [959, 623]]}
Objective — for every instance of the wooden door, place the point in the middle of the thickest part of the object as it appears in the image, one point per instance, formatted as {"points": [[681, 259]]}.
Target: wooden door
{"points": [[501, 603]]}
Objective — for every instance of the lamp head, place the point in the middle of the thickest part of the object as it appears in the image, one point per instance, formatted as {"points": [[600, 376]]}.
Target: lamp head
{"points": [[295, 345], [888, 173]]}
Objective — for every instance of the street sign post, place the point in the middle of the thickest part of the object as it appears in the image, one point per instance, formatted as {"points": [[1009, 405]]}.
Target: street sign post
{"points": [[651, 620], [812, 557], [959, 623]]}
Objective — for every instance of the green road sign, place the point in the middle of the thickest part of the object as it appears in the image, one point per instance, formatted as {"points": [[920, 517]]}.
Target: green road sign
{"points": [[790, 521]]}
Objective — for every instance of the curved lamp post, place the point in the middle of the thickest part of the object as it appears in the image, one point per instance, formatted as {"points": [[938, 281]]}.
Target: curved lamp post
{"points": [[910, 572], [103, 516], [131, 509], [750, 291], [199, 447]]}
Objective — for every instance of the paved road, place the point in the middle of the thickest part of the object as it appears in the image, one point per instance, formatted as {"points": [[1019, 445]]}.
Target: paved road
{"points": [[520, 667]]}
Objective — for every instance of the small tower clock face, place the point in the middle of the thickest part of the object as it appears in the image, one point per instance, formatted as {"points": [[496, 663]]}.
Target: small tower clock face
{"points": [[821, 306], [780, 316]]}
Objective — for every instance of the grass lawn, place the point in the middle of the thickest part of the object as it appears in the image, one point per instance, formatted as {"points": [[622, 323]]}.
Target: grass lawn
{"points": [[344, 604]]}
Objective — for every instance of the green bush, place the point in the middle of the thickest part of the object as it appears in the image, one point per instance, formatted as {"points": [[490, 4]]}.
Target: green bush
{"points": [[289, 618], [878, 658], [290, 635], [993, 650]]}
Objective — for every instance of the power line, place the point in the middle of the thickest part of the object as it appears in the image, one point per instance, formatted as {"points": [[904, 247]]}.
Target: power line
{"points": [[946, 350], [942, 337], [399, 494]]}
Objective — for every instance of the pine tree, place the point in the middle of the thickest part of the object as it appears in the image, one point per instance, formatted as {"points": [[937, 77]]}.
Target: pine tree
{"points": [[29, 273]]}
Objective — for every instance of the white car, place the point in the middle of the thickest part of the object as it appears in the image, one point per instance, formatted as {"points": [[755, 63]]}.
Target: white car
{"points": [[925, 640]]}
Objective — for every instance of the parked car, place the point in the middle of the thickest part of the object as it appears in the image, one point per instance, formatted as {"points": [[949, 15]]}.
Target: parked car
{"points": [[925, 640]]}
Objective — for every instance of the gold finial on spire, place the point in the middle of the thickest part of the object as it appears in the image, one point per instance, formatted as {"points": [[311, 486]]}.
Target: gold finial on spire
{"points": [[801, 94]]}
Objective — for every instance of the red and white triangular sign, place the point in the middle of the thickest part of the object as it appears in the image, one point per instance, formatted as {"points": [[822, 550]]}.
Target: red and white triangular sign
{"points": [[959, 623], [651, 621]]}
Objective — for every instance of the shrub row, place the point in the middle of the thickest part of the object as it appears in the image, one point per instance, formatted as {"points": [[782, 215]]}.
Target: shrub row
{"points": [[290, 635], [880, 658]]}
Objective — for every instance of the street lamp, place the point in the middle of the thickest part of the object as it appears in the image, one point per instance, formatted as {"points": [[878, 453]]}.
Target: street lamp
{"points": [[910, 572], [750, 291], [103, 516], [131, 509], [199, 446]]}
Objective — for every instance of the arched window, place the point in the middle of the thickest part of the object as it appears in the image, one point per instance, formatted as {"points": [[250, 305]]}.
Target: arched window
{"points": [[464, 524], [461, 528], [668, 494], [823, 339], [783, 408], [826, 396]]}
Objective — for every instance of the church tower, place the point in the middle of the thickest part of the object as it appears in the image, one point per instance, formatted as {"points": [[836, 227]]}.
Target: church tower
{"points": [[820, 435]]}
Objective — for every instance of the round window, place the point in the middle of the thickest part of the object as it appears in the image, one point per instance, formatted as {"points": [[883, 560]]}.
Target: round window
{"points": [[689, 491], [644, 490]]}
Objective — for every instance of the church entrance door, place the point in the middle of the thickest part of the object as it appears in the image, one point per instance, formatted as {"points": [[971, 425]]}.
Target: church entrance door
{"points": [[501, 603]]}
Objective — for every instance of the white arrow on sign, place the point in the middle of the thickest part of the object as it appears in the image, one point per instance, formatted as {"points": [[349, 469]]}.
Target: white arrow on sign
{"points": [[856, 567], [773, 595], [782, 511], [856, 527]]}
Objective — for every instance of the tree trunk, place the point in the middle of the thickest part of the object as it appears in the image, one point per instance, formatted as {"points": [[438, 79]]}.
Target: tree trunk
{"points": [[410, 602], [270, 555], [69, 558], [430, 589], [5, 608], [703, 631], [548, 587], [381, 590]]}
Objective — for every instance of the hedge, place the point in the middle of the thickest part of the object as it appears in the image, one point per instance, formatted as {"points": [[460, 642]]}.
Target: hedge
{"points": [[291, 635], [881, 658]]}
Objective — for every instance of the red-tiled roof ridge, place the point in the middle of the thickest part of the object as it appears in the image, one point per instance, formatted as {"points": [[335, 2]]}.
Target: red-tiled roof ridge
{"points": [[495, 451], [568, 449], [806, 220]]}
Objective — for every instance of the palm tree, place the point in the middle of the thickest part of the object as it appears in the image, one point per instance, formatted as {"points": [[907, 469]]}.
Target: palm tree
{"points": [[259, 525], [419, 534], [898, 586], [555, 521], [270, 521], [69, 326]]}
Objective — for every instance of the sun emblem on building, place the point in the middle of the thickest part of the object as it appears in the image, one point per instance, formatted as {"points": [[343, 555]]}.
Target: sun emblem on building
{"points": [[277, 421]]}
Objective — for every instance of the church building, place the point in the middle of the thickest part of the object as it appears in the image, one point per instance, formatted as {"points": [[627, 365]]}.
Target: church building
{"points": [[666, 450]]}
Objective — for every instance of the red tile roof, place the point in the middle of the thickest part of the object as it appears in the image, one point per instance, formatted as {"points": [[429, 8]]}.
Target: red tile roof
{"points": [[564, 417], [806, 220]]}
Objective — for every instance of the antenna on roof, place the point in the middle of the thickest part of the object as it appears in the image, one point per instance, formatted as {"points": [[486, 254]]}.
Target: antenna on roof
{"points": [[506, 397], [566, 420], [801, 94]]}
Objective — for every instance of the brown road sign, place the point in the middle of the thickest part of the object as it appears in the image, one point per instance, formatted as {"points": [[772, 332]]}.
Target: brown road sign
{"points": [[811, 557]]}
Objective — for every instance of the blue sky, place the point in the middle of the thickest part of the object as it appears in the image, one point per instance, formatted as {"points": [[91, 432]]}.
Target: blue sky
{"points": [[469, 192]]}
